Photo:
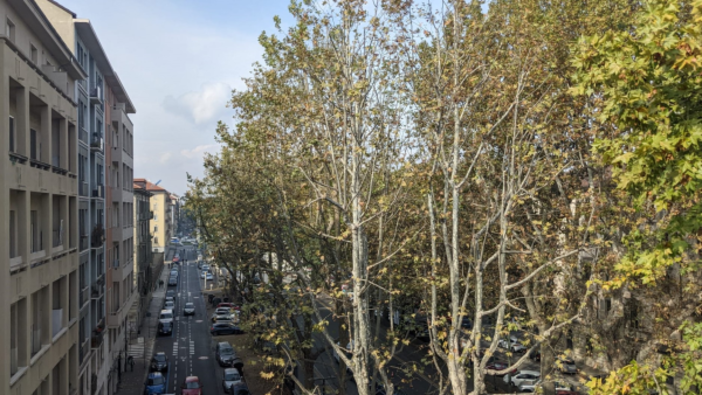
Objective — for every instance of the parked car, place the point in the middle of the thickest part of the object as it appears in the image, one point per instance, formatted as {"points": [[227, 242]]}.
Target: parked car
{"points": [[165, 316], [535, 355], [224, 353], [512, 345], [203, 274], [229, 305], [521, 377], [223, 310], [169, 305], [191, 386], [209, 277], [165, 328], [221, 317], [159, 362], [239, 389], [205, 267], [222, 328], [566, 365], [174, 271], [189, 309], [231, 377], [171, 293], [173, 281], [155, 384], [532, 387]]}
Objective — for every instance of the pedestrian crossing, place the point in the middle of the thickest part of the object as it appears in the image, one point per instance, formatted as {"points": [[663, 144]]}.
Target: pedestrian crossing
{"points": [[175, 348], [136, 349]]}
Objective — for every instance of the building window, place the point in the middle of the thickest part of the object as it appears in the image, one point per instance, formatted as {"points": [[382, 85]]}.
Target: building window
{"points": [[10, 30], [13, 234], [13, 137], [155, 228], [34, 54], [36, 231]]}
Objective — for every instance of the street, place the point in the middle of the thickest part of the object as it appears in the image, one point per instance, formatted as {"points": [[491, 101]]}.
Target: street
{"points": [[189, 348]]}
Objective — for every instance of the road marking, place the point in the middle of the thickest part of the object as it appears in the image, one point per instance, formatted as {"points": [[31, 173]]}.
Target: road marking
{"points": [[203, 358]]}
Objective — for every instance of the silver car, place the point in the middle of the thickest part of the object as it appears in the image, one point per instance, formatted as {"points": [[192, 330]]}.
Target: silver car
{"points": [[189, 309], [231, 376]]}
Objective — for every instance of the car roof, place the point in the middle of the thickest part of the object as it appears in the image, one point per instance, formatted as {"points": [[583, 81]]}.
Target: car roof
{"points": [[191, 379], [160, 353], [154, 375], [166, 311], [222, 344], [534, 372], [232, 370]]}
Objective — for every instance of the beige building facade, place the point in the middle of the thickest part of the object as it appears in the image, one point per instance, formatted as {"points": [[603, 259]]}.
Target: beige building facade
{"points": [[39, 230], [161, 225]]}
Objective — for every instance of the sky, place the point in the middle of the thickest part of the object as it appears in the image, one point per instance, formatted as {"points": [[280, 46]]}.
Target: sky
{"points": [[179, 61]]}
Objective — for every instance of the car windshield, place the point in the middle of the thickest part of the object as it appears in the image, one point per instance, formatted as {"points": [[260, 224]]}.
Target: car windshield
{"points": [[160, 357], [166, 316], [189, 305], [156, 380], [227, 351], [232, 377], [192, 385]]}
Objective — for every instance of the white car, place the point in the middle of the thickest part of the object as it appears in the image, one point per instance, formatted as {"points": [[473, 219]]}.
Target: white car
{"points": [[203, 274], [209, 277], [532, 386], [522, 377], [513, 345], [165, 316], [169, 305]]}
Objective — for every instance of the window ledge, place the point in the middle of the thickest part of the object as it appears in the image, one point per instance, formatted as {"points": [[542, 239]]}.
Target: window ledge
{"points": [[18, 375], [35, 358], [63, 331]]}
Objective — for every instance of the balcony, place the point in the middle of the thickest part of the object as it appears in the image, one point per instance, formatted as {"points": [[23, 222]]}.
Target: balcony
{"points": [[116, 154], [97, 144], [96, 95], [83, 188], [99, 191], [97, 238], [83, 135], [97, 337], [83, 297], [97, 291], [84, 244]]}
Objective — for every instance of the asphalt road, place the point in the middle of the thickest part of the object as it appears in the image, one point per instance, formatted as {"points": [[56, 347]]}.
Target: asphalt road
{"points": [[189, 348]]}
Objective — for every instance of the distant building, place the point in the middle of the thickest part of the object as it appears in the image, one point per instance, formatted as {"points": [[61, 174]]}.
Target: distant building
{"points": [[161, 225]]}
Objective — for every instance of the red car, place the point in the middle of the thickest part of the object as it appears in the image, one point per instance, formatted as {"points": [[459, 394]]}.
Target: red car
{"points": [[192, 386]]}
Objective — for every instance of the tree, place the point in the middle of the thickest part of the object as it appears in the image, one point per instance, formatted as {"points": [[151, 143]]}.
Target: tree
{"points": [[645, 86]]}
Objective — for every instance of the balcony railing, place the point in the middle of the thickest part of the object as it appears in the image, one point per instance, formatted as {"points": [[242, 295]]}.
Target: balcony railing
{"points": [[83, 135], [96, 143], [83, 188]]}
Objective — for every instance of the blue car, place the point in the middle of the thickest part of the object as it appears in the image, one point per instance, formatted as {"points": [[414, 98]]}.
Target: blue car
{"points": [[155, 384]]}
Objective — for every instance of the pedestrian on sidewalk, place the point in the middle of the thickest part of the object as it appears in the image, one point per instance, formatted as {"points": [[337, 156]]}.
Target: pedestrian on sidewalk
{"points": [[130, 362]]}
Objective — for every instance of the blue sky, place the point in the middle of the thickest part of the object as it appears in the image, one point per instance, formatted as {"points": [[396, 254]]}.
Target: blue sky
{"points": [[179, 61]]}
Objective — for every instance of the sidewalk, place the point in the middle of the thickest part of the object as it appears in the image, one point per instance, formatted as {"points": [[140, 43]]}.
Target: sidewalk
{"points": [[133, 381]]}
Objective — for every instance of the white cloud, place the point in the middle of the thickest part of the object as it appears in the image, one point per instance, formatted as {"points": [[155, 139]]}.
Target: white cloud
{"points": [[199, 151], [204, 105]]}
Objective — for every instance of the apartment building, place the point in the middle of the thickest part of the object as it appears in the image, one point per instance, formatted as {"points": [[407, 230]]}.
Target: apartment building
{"points": [[146, 273], [104, 202], [39, 224], [161, 225], [175, 215]]}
